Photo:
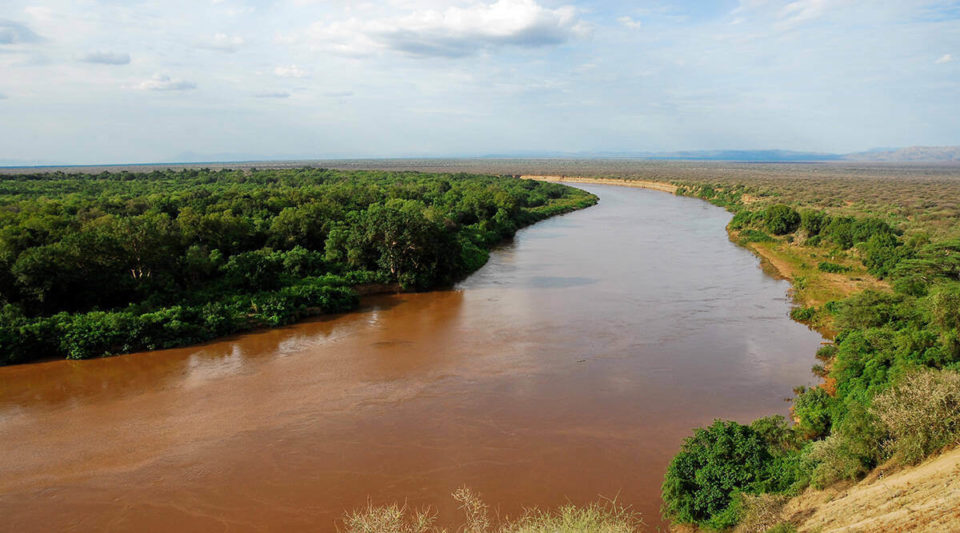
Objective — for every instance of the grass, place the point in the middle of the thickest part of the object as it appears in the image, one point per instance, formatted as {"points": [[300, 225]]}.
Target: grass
{"points": [[812, 287], [606, 516]]}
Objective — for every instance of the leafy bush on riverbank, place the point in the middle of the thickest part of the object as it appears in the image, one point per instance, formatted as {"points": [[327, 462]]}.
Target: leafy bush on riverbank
{"points": [[92, 265], [892, 389]]}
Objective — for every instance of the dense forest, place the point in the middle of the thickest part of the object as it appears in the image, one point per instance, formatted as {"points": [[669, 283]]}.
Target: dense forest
{"points": [[891, 388], [92, 265]]}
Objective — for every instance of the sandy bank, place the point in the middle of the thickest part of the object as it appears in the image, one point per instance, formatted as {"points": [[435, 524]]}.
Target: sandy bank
{"points": [[922, 498], [655, 185]]}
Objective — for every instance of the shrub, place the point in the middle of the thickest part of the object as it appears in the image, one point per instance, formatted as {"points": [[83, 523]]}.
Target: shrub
{"points": [[813, 221], [743, 219], [761, 513], [714, 465], [831, 461], [752, 235], [833, 268], [922, 413], [781, 219], [869, 309], [812, 410], [803, 314]]}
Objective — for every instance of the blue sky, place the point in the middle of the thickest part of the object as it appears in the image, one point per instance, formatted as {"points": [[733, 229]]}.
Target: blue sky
{"points": [[115, 81]]}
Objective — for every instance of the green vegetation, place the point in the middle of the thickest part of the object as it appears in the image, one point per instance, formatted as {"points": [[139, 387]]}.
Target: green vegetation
{"points": [[92, 265], [892, 387], [600, 517]]}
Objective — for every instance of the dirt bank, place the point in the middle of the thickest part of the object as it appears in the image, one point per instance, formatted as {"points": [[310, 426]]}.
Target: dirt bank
{"points": [[655, 185], [922, 498]]}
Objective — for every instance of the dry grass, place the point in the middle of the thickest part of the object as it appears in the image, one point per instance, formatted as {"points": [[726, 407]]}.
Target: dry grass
{"points": [[922, 413], [762, 513], [602, 517], [389, 519]]}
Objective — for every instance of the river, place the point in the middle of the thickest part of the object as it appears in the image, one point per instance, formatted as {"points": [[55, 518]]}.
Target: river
{"points": [[569, 368]]}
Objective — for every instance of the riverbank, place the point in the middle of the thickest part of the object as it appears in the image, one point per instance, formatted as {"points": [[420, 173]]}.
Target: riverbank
{"points": [[811, 288], [643, 184], [915, 498]]}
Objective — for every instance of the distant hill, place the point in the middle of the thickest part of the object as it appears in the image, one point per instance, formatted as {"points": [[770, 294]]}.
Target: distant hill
{"points": [[912, 153], [929, 154], [769, 156]]}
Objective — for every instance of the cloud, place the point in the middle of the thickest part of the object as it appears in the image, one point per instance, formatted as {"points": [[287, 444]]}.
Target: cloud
{"points": [[162, 82], [3, 96], [222, 42], [945, 58], [272, 94], [15, 33], [454, 31], [629, 22], [106, 58], [289, 71]]}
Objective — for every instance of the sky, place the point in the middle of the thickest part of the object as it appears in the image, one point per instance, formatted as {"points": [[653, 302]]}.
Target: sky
{"points": [[127, 81]]}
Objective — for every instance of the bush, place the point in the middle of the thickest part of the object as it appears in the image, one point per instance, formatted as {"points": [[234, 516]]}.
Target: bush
{"points": [[803, 314], [781, 219], [921, 412], [812, 410], [752, 235], [713, 466], [813, 221], [831, 461], [832, 268]]}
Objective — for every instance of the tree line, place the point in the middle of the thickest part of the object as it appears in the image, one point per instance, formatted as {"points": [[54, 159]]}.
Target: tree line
{"points": [[115, 262]]}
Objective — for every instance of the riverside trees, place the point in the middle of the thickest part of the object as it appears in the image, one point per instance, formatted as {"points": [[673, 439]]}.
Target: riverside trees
{"points": [[893, 372], [115, 262]]}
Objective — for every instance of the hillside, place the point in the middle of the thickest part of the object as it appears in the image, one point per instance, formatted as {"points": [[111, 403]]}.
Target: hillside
{"points": [[922, 498], [911, 154]]}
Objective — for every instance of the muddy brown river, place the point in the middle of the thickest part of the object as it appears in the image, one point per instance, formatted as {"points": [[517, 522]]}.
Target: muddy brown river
{"points": [[569, 368]]}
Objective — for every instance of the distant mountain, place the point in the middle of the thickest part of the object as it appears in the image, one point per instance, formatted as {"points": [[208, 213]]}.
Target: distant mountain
{"points": [[688, 155], [928, 154], [752, 156]]}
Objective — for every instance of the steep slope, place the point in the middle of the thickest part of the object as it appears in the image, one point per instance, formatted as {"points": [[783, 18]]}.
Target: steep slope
{"points": [[922, 498]]}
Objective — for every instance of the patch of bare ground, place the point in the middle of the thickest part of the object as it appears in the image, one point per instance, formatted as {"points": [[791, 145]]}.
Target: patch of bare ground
{"points": [[924, 498]]}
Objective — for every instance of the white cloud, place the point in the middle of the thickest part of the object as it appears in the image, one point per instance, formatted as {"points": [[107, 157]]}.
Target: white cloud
{"points": [[454, 31], [222, 42], [289, 71], [106, 58], [630, 22], [162, 82], [15, 33], [272, 94], [945, 58]]}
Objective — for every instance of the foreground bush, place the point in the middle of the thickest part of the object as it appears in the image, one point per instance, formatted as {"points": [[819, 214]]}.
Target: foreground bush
{"points": [[719, 463], [602, 517], [922, 413]]}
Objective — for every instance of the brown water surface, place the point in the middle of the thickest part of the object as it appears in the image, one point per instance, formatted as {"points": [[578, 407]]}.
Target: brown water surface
{"points": [[568, 368]]}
